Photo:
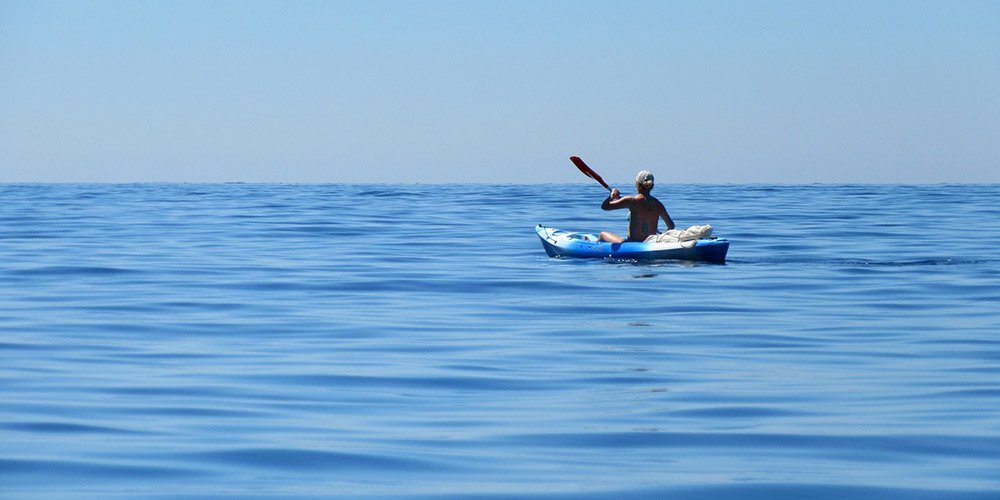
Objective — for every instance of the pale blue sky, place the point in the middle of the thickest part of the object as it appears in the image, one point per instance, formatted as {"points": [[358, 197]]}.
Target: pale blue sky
{"points": [[505, 91]]}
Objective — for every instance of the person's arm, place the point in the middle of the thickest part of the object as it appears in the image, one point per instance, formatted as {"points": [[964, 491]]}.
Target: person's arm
{"points": [[666, 217], [614, 201]]}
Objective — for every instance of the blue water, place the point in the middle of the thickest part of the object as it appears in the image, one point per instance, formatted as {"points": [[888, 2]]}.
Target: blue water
{"points": [[244, 340]]}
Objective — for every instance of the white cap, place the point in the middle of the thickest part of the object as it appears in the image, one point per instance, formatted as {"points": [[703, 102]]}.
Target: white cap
{"points": [[644, 176]]}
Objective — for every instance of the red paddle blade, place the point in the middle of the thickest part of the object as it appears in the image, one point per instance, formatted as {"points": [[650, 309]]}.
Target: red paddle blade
{"points": [[589, 172]]}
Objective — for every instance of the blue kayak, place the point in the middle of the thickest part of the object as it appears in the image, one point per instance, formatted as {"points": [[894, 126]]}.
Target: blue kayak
{"points": [[558, 243]]}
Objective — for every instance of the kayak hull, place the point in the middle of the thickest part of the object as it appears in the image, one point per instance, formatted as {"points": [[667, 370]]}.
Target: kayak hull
{"points": [[558, 243]]}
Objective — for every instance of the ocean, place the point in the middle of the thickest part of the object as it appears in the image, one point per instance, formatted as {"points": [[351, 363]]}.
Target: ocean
{"points": [[415, 341]]}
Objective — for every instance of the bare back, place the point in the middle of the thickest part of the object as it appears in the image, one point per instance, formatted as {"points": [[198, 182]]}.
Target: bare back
{"points": [[645, 212], [644, 216]]}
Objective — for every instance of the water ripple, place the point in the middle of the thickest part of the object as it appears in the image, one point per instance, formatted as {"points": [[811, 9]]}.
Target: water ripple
{"points": [[270, 340]]}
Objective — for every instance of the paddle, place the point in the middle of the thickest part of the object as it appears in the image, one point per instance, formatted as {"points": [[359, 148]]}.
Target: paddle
{"points": [[588, 171]]}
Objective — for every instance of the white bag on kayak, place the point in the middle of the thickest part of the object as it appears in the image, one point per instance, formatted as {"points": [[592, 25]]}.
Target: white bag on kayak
{"points": [[676, 235]]}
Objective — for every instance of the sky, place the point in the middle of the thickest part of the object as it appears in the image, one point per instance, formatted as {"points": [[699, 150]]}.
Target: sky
{"points": [[499, 91]]}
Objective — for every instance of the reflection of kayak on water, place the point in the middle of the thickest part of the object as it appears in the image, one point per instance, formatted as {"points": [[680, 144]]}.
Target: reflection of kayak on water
{"points": [[560, 243]]}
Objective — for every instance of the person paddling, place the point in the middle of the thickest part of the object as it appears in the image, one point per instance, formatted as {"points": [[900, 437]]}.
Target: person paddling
{"points": [[644, 211]]}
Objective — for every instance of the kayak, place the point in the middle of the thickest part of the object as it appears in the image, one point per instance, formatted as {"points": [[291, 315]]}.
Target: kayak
{"points": [[559, 243]]}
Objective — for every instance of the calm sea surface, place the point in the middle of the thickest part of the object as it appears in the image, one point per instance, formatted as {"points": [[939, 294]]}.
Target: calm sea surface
{"points": [[164, 340]]}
